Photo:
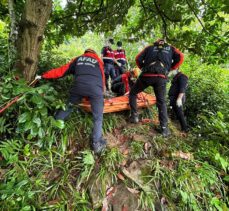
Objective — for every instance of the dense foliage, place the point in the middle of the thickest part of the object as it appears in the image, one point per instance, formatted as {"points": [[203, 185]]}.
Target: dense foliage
{"points": [[3, 48], [47, 164]]}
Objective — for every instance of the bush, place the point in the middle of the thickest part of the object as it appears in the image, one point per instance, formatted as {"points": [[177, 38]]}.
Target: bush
{"points": [[32, 116], [206, 94], [3, 48]]}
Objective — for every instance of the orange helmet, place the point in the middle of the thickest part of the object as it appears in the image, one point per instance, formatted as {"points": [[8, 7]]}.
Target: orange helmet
{"points": [[135, 72]]}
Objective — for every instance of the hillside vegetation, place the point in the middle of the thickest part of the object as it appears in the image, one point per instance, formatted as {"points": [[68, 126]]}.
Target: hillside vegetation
{"points": [[48, 165]]}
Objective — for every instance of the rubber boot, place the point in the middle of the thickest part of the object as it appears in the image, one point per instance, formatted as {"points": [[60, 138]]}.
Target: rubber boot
{"points": [[134, 118], [165, 132], [99, 146], [185, 129]]}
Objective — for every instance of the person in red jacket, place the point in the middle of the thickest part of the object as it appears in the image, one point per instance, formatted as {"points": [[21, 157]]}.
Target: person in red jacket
{"points": [[107, 55], [155, 61], [123, 83], [89, 81], [120, 56]]}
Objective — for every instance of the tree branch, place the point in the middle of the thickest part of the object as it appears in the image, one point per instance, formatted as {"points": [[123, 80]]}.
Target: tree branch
{"points": [[212, 8], [204, 28], [80, 6], [78, 14], [191, 8], [143, 6], [162, 18]]}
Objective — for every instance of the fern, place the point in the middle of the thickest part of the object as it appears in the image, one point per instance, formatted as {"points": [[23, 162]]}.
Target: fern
{"points": [[10, 149], [4, 127]]}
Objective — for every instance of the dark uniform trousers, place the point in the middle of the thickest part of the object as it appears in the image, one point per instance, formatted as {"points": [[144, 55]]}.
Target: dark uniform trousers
{"points": [[118, 88], [179, 111], [97, 105], [109, 72], [159, 86]]}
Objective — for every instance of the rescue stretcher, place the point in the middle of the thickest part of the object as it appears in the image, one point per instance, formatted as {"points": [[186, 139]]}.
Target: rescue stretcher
{"points": [[121, 103]]}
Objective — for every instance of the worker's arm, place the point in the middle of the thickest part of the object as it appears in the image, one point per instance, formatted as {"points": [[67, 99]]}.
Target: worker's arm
{"points": [[179, 99], [180, 96], [183, 84], [101, 67], [177, 57], [60, 71], [118, 63]]}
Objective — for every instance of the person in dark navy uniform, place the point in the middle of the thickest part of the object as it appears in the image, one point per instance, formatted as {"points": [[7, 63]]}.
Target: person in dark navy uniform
{"points": [[177, 90], [155, 61], [89, 81]]}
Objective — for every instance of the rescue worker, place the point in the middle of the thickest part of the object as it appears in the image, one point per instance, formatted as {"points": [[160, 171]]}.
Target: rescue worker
{"points": [[89, 81], [107, 54], [177, 90], [120, 56], [123, 83], [155, 61]]}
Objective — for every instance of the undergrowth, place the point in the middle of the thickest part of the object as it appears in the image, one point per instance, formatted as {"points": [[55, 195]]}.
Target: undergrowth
{"points": [[48, 164]]}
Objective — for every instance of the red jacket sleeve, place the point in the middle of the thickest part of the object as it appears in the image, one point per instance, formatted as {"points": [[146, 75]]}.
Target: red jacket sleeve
{"points": [[57, 72], [178, 58], [140, 58]]}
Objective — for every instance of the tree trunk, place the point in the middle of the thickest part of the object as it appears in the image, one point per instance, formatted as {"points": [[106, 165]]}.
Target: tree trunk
{"points": [[13, 32], [31, 30]]}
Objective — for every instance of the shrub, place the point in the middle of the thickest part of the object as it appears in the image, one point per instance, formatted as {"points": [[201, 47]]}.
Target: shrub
{"points": [[206, 94], [32, 116]]}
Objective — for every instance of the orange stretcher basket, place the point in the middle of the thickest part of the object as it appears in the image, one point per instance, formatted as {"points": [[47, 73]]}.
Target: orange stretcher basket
{"points": [[121, 103]]}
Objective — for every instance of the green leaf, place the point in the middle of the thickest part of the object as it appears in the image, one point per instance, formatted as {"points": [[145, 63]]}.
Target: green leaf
{"points": [[37, 121], [222, 161], [26, 208], [44, 111], [28, 126], [34, 131], [36, 99], [26, 150], [24, 117], [59, 123], [184, 196], [216, 202], [88, 158], [4, 97], [41, 133], [22, 183], [226, 178]]}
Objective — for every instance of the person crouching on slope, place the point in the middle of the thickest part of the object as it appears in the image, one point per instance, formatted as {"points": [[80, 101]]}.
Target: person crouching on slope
{"points": [[123, 83], [177, 96], [89, 81]]}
